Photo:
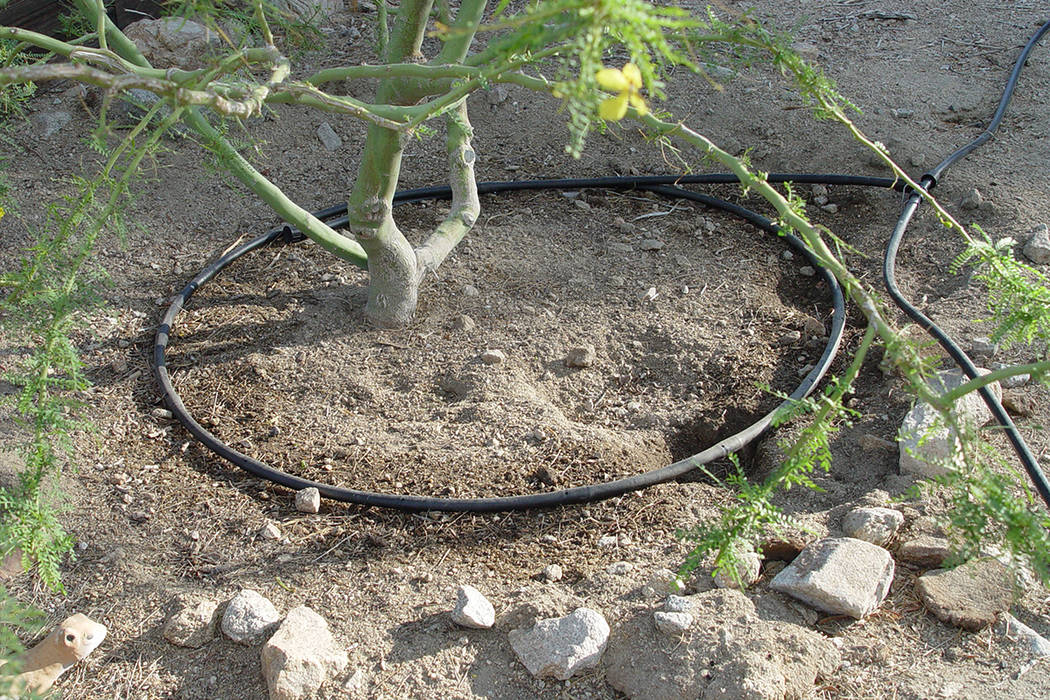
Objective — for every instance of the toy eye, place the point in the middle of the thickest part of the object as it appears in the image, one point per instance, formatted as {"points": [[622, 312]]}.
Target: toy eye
{"points": [[71, 637]]}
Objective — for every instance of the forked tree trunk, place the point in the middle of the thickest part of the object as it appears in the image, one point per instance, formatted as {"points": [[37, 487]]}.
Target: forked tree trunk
{"points": [[395, 268]]}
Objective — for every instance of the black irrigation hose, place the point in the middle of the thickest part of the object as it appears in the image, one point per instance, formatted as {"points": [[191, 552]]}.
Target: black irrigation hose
{"points": [[664, 185], [928, 182], [580, 494]]}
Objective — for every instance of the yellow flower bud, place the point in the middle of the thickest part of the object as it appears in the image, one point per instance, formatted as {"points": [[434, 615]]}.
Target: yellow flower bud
{"points": [[612, 79], [614, 108], [628, 83]]}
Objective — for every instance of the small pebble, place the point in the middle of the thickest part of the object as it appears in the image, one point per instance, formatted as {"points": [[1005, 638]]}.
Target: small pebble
{"points": [[806, 271], [473, 609], [983, 347], [581, 356], [308, 500], [552, 573], [270, 531], [464, 323], [972, 200], [672, 623], [493, 357]]}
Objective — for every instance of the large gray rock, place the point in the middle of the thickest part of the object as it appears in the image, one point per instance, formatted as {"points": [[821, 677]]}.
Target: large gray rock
{"points": [[173, 41], [970, 596], [839, 575], [194, 625], [559, 647], [875, 525], [928, 447], [473, 609], [248, 617], [1037, 249], [300, 656]]}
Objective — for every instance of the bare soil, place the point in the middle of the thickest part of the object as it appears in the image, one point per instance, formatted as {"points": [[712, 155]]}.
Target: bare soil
{"points": [[277, 359]]}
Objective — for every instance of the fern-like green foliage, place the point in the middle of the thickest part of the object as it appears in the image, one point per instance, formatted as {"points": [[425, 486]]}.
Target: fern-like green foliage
{"points": [[753, 511], [588, 35], [221, 15], [1018, 294], [12, 97], [991, 504], [42, 303], [13, 617]]}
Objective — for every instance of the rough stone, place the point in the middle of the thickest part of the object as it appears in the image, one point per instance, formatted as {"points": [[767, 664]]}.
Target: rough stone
{"points": [[1021, 403], [552, 573], [248, 617], [473, 609], [581, 356], [840, 575], [1012, 382], [641, 662], [47, 124], [924, 551], [173, 41], [329, 139], [270, 531], [875, 525], [194, 625], [673, 623], [983, 346], [678, 603], [300, 656], [927, 446], [650, 244], [969, 596], [493, 357], [309, 9], [459, 388], [308, 500], [562, 646], [1013, 628], [464, 323], [973, 199], [1037, 249]]}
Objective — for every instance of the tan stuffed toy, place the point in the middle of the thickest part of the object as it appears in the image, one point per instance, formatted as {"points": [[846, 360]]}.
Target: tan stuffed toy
{"points": [[73, 640]]}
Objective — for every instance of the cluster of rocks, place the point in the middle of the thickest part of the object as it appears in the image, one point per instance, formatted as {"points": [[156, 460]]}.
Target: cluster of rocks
{"points": [[298, 651]]}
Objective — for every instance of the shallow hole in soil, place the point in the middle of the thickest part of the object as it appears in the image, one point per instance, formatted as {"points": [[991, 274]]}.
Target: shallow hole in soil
{"points": [[277, 360]]}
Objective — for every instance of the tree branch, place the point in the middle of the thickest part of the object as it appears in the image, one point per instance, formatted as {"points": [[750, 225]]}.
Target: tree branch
{"points": [[465, 203]]}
